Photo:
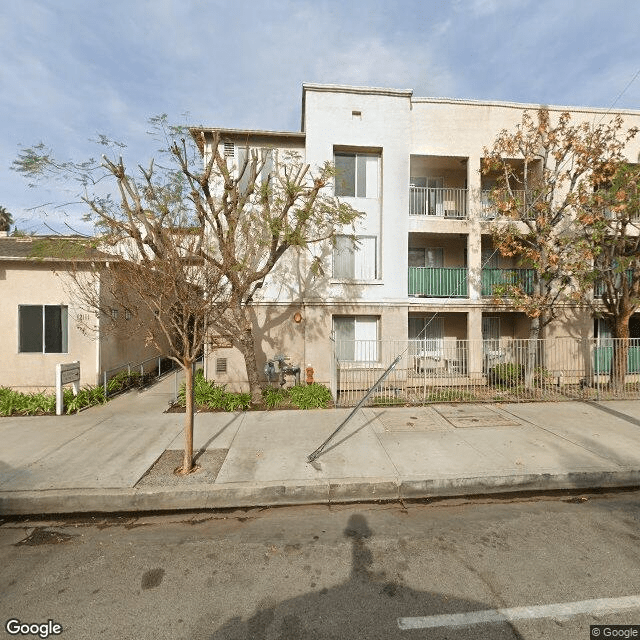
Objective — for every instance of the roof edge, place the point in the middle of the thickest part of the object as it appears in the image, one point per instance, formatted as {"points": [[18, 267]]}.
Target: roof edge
{"points": [[526, 105], [343, 88]]}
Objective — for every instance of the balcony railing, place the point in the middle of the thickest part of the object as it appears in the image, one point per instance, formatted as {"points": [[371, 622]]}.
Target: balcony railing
{"points": [[438, 282], [492, 278], [442, 202], [599, 287]]}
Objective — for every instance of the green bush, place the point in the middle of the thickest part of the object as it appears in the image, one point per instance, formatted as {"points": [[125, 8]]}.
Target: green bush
{"points": [[209, 395], [123, 381], [312, 396], [506, 374], [30, 404], [235, 401], [87, 397], [274, 396]]}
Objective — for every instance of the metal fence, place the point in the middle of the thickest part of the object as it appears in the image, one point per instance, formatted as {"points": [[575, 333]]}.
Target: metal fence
{"points": [[130, 374], [178, 376], [500, 370]]}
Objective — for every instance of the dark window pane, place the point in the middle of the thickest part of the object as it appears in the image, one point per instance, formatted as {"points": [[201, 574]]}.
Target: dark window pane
{"points": [[345, 174], [30, 319], [362, 177], [52, 329]]}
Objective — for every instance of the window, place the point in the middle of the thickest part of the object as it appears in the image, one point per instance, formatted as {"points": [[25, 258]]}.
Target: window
{"points": [[355, 259], [426, 257], [356, 175], [42, 328], [356, 338], [426, 336]]}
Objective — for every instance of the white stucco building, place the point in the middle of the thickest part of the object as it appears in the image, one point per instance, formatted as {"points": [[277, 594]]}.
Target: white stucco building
{"points": [[425, 261]]}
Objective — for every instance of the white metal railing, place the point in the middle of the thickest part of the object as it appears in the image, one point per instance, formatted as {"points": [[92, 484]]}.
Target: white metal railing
{"points": [[446, 369], [444, 202]]}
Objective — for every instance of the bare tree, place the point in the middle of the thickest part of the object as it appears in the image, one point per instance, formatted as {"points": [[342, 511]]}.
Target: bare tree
{"points": [[248, 216]]}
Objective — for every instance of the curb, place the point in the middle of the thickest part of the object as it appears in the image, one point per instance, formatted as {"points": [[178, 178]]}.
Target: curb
{"points": [[347, 490]]}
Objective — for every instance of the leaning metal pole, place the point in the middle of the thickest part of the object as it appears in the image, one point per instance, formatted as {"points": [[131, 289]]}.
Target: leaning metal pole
{"points": [[320, 449]]}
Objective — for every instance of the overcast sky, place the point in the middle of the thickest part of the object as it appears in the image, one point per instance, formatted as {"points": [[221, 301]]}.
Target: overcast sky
{"points": [[71, 69]]}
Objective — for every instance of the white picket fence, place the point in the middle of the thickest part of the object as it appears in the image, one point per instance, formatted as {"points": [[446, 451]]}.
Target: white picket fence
{"points": [[500, 370]]}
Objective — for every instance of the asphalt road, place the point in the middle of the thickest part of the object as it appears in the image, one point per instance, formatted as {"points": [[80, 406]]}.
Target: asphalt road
{"points": [[340, 572]]}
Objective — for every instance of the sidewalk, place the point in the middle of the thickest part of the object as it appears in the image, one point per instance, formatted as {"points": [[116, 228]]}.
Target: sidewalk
{"points": [[100, 459]]}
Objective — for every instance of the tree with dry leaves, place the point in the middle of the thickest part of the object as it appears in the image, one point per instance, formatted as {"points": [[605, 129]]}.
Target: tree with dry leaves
{"points": [[609, 239], [541, 171]]}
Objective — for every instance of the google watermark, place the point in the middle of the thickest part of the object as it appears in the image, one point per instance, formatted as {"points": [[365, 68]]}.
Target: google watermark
{"points": [[614, 631], [46, 629]]}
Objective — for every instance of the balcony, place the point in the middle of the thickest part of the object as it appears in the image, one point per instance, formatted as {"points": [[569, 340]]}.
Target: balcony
{"points": [[499, 277], [599, 286], [438, 282], [439, 202]]}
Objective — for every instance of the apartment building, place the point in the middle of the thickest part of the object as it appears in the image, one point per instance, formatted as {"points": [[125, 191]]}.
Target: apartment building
{"points": [[423, 270]]}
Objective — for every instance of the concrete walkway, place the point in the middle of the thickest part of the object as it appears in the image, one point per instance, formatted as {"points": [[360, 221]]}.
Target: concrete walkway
{"points": [[100, 459]]}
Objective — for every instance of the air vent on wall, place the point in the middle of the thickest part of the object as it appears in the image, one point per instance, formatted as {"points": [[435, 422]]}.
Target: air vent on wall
{"points": [[229, 149], [221, 365]]}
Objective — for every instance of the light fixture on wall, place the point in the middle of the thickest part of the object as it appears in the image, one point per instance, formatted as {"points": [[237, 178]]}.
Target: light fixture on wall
{"points": [[297, 317]]}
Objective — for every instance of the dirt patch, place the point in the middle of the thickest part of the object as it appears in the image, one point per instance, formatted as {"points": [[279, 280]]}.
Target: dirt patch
{"points": [[41, 536], [161, 471]]}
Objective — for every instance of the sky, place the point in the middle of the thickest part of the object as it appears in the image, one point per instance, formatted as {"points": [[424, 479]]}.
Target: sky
{"points": [[74, 69]]}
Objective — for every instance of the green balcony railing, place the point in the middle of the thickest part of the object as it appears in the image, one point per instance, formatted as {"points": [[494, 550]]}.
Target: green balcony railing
{"points": [[492, 278], [438, 282]]}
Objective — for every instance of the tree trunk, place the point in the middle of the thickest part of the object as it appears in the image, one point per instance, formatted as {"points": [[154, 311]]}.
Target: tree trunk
{"points": [[532, 350], [247, 348], [620, 353], [187, 460]]}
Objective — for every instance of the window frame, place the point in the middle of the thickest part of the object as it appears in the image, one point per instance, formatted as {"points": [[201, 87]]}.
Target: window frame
{"points": [[358, 249], [359, 351], [46, 329], [360, 172]]}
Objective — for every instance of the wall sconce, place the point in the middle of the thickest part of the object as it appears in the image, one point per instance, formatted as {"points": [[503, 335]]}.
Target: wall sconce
{"points": [[297, 317]]}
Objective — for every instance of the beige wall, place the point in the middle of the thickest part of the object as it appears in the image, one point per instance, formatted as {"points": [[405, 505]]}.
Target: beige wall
{"points": [[307, 343], [41, 283]]}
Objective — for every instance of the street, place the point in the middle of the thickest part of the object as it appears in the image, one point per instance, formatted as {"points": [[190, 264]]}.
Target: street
{"points": [[370, 571]]}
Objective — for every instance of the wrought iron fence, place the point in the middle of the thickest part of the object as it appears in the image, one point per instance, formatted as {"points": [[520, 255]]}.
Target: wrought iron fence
{"points": [[500, 370]]}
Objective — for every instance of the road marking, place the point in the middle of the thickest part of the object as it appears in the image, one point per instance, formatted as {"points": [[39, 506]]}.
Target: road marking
{"points": [[564, 609]]}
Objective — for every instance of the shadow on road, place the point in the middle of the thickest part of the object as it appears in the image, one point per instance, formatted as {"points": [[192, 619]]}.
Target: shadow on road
{"points": [[367, 606]]}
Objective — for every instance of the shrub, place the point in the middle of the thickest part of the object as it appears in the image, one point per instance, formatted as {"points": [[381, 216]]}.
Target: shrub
{"points": [[31, 404], [313, 396], [209, 395], [235, 401], [274, 396], [507, 374], [87, 397]]}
